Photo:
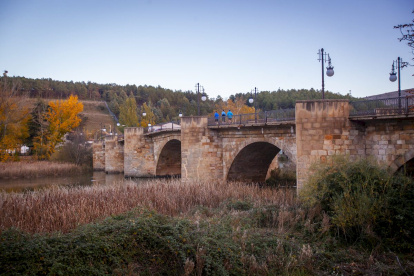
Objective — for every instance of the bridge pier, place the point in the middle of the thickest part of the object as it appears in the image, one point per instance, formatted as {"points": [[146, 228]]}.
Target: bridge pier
{"points": [[114, 155], [98, 156], [322, 131], [201, 151], [139, 153]]}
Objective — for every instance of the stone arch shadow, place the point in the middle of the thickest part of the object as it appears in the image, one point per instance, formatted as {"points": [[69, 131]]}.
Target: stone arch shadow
{"points": [[406, 159], [253, 159], [169, 159]]}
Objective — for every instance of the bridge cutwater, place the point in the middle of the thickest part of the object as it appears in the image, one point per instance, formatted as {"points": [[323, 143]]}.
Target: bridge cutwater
{"points": [[247, 148]]}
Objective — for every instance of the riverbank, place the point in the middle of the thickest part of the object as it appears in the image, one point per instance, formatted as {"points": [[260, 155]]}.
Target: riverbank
{"points": [[168, 228], [30, 169]]}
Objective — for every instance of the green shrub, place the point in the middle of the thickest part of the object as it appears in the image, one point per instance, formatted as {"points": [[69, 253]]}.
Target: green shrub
{"points": [[364, 202], [280, 177]]}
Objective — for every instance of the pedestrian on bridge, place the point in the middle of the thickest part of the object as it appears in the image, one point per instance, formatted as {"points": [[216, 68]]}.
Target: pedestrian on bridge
{"points": [[216, 116], [223, 116], [230, 116]]}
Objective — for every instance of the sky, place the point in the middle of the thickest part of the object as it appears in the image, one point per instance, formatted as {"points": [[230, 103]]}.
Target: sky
{"points": [[228, 46]]}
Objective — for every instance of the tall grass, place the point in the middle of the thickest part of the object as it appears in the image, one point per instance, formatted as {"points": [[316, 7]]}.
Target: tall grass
{"points": [[36, 169], [64, 208]]}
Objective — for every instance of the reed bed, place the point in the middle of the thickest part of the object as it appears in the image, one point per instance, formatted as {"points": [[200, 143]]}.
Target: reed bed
{"points": [[36, 169], [64, 208]]}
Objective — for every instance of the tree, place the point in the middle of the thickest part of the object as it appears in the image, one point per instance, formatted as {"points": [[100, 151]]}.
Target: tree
{"points": [[14, 116], [62, 117], [128, 113], [407, 32], [149, 118], [237, 107], [38, 123]]}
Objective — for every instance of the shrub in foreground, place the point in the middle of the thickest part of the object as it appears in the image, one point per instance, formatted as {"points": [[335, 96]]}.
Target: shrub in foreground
{"points": [[364, 202]]}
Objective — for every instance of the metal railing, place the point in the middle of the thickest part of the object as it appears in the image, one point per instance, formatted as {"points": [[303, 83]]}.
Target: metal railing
{"points": [[382, 107], [173, 125], [265, 117]]}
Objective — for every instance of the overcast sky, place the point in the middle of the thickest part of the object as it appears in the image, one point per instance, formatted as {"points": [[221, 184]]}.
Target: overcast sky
{"points": [[227, 46]]}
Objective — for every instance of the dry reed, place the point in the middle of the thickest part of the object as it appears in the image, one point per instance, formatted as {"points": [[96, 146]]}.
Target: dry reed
{"points": [[63, 208], [36, 169]]}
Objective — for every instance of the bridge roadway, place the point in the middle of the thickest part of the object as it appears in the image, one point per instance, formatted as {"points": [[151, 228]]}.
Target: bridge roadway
{"points": [[252, 144]]}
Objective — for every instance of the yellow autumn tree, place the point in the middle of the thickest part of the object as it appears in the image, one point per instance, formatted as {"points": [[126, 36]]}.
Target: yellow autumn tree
{"points": [[149, 118], [14, 117], [237, 107], [62, 117]]}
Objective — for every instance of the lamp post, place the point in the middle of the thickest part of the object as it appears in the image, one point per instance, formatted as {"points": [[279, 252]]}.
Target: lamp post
{"points": [[143, 115], [329, 69], [203, 97], [393, 77], [251, 100]]}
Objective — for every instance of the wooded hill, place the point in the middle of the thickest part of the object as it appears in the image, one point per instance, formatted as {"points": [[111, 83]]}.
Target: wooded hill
{"points": [[164, 103]]}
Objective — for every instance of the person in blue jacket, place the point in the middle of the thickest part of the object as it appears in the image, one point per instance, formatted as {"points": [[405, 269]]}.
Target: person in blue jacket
{"points": [[230, 116], [223, 116], [216, 117]]}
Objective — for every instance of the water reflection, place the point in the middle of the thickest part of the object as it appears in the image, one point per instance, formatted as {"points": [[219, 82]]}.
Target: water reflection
{"points": [[84, 179]]}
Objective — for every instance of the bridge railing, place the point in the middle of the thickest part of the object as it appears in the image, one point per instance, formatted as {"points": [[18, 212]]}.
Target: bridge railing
{"points": [[173, 125], [382, 107], [255, 118]]}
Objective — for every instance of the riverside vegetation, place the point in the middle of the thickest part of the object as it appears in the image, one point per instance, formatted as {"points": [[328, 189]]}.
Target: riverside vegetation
{"points": [[37, 169], [351, 219]]}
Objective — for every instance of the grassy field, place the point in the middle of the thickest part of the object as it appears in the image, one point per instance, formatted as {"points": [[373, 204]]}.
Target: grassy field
{"points": [[93, 115], [168, 228]]}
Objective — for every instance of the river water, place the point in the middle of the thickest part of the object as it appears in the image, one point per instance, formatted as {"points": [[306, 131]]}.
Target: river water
{"points": [[84, 179]]}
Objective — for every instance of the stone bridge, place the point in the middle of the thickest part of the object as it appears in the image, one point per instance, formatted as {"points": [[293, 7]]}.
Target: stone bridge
{"points": [[248, 150]]}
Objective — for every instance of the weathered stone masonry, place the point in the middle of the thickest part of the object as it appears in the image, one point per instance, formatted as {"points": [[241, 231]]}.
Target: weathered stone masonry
{"points": [[322, 129], [114, 155]]}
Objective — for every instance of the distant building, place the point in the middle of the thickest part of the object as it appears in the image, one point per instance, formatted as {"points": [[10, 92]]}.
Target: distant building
{"points": [[404, 93]]}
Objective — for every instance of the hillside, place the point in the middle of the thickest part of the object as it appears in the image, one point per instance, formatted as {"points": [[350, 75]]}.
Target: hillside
{"points": [[94, 115]]}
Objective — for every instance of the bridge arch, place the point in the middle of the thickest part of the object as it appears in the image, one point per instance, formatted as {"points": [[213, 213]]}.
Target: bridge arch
{"points": [[252, 158], [406, 159], [168, 158]]}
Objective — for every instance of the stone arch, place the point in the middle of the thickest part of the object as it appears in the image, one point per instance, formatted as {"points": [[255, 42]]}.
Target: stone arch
{"points": [[281, 143], [407, 158], [169, 159], [252, 162]]}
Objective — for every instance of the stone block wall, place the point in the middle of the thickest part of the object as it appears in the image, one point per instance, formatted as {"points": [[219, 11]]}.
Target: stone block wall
{"points": [[114, 155], [98, 150], [235, 140], [391, 142], [324, 130], [201, 151], [139, 153]]}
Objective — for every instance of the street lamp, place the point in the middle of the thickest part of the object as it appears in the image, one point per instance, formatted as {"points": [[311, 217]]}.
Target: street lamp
{"points": [[393, 76], [329, 69], [180, 114], [251, 100], [203, 97], [140, 118]]}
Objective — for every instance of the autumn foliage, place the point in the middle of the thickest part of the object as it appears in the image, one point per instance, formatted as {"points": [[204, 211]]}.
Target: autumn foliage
{"points": [[14, 116], [62, 117]]}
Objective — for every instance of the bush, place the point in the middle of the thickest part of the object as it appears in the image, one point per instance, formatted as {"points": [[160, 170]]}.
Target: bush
{"points": [[364, 202], [75, 150]]}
